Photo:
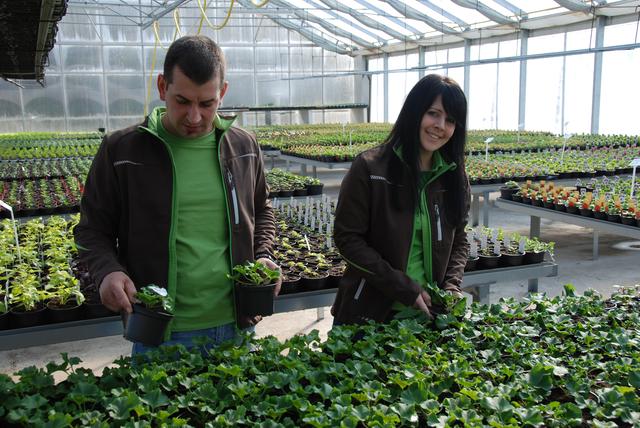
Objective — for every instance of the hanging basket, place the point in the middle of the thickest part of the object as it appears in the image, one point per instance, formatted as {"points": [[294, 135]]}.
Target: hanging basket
{"points": [[145, 325], [254, 300]]}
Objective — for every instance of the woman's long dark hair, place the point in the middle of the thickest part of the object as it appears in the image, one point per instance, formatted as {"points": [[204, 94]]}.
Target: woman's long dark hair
{"points": [[406, 135]]}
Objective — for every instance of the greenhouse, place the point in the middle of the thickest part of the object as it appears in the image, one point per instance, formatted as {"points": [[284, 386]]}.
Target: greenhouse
{"points": [[327, 213]]}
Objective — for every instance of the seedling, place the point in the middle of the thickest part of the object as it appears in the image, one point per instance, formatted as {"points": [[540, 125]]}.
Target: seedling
{"points": [[254, 273], [155, 298]]}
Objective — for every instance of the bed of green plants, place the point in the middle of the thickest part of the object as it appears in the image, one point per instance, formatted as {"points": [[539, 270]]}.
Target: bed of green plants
{"points": [[553, 362]]}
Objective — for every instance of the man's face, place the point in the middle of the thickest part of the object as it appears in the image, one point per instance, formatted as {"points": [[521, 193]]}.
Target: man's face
{"points": [[191, 108]]}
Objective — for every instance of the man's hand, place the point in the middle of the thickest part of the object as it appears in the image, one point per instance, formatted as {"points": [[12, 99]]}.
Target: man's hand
{"points": [[456, 294], [423, 302], [117, 292], [271, 265]]}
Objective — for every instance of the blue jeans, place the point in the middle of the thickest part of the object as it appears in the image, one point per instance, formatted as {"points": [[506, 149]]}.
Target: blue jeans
{"points": [[216, 336]]}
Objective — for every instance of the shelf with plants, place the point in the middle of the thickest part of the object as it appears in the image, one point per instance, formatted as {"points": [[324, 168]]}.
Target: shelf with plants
{"points": [[283, 184], [564, 361], [42, 281], [39, 168], [37, 145], [43, 196], [606, 199]]}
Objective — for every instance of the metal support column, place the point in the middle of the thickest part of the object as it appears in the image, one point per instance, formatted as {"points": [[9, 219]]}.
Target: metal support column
{"points": [[385, 80], [597, 76], [534, 231], [522, 92]]}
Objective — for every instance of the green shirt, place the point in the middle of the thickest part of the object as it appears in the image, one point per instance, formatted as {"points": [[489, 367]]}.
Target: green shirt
{"points": [[419, 267], [203, 294]]}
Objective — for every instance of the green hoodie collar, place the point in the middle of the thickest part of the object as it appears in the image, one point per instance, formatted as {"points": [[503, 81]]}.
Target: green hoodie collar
{"points": [[438, 161], [219, 122]]}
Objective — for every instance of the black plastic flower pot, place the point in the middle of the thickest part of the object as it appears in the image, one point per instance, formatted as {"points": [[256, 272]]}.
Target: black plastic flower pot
{"points": [[145, 325], [586, 212], [560, 207], [254, 300], [516, 198], [312, 283], [615, 218], [507, 192], [314, 189], [572, 209], [23, 319], [532, 257], [628, 220], [96, 310], [488, 262], [64, 313], [600, 215], [472, 263], [290, 284], [300, 192], [285, 193], [508, 259]]}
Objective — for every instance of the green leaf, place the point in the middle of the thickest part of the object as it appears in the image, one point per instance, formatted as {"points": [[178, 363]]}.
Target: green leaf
{"points": [[155, 399], [540, 377], [569, 290]]}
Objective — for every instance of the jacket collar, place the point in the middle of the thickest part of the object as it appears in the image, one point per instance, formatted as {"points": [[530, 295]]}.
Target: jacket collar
{"points": [[438, 161], [150, 124]]}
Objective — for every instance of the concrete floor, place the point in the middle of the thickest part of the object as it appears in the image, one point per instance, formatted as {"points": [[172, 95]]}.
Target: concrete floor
{"points": [[619, 263]]}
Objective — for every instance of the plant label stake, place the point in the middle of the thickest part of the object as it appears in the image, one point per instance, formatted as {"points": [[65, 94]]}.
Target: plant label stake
{"points": [[307, 241], [507, 241], [483, 241], [486, 148], [564, 146], [634, 164], [473, 249], [522, 244], [15, 230], [496, 249], [313, 223]]}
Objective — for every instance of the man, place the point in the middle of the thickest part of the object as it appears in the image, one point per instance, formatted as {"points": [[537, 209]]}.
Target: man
{"points": [[177, 200]]}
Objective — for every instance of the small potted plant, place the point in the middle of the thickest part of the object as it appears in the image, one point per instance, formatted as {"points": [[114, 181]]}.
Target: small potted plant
{"points": [[150, 318], [253, 288], [509, 188]]}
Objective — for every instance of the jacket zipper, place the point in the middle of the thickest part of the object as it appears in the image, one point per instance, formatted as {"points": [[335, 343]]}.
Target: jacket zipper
{"points": [[439, 226], [359, 290], [234, 198]]}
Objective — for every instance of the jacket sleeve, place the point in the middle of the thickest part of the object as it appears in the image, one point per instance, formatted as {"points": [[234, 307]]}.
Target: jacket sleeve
{"points": [[459, 250], [350, 235], [265, 224], [95, 234]]}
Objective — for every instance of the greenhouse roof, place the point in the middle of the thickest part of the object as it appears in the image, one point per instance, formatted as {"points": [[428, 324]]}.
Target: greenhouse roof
{"points": [[27, 34], [365, 27]]}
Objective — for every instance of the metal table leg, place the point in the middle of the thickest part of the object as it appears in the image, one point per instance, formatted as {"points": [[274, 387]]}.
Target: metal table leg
{"points": [[485, 209], [303, 169], [534, 227], [320, 313], [596, 239], [475, 209], [315, 172]]}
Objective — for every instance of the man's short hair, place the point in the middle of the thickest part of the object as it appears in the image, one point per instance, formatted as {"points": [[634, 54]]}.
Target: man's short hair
{"points": [[199, 58]]}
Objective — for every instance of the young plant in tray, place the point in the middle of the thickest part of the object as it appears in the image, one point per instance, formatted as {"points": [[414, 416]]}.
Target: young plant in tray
{"points": [[150, 317], [253, 288]]}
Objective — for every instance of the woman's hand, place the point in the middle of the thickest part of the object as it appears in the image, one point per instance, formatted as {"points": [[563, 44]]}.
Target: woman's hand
{"points": [[423, 301]]}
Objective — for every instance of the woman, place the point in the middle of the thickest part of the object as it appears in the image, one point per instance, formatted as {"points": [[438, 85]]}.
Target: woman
{"points": [[403, 208]]}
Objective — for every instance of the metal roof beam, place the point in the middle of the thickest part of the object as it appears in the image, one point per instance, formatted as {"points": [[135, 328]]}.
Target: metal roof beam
{"points": [[157, 15], [337, 46], [444, 13], [490, 13], [576, 6], [305, 15], [384, 13], [412, 13], [333, 4], [364, 30], [512, 8]]}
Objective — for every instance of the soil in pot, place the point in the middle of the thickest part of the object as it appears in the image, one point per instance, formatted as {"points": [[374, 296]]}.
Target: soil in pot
{"points": [[471, 265], [488, 262], [511, 259], [22, 319], [254, 300], [531, 257], [71, 311], [145, 325]]}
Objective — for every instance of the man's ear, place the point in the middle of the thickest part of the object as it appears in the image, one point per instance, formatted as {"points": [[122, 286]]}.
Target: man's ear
{"points": [[162, 87], [223, 90]]}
